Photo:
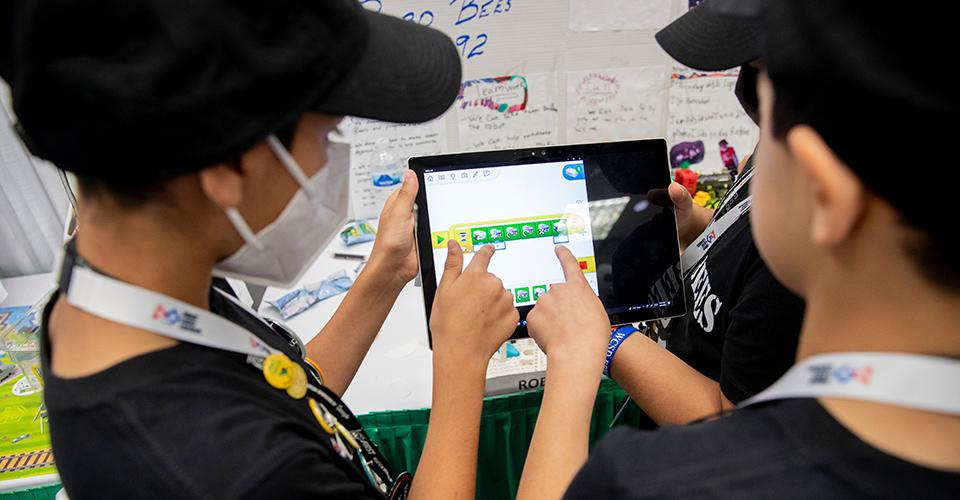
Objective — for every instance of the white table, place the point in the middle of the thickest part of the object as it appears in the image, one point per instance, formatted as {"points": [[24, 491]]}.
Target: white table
{"points": [[27, 290], [397, 372]]}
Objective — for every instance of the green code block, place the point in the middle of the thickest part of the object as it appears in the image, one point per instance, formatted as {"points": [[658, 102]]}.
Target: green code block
{"points": [[495, 234], [522, 294], [480, 235], [528, 230], [545, 228], [511, 232], [538, 291]]}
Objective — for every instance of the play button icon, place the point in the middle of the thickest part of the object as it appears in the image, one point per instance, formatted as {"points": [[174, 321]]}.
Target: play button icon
{"points": [[439, 240]]}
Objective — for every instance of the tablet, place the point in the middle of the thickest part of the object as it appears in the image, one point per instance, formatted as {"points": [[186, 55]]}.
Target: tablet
{"points": [[607, 203]]}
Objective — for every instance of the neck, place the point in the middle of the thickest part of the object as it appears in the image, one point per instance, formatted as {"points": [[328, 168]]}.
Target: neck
{"points": [[147, 253], [896, 315]]}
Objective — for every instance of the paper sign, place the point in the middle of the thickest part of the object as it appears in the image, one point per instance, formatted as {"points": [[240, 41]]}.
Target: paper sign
{"points": [[506, 94], [707, 128], [508, 112], [603, 15], [616, 104], [405, 141]]}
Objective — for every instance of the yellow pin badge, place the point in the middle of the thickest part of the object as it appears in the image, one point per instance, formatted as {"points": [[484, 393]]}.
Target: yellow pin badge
{"points": [[297, 389], [278, 370]]}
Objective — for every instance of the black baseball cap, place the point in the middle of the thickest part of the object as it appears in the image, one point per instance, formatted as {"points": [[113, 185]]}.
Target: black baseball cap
{"points": [[708, 40], [157, 88], [868, 78]]}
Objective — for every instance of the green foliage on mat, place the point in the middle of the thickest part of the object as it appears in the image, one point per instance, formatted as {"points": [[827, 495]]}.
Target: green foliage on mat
{"points": [[506, 428], [17, 424]]}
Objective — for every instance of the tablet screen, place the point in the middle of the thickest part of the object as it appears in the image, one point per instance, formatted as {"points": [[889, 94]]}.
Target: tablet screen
{"points": [[527, 210], [606, 203]]}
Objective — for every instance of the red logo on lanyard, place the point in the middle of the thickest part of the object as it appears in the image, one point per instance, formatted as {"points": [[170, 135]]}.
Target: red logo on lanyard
{"points": [[168, 316]]}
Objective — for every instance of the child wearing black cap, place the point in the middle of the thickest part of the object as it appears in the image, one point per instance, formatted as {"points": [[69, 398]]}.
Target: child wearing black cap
{"points": [[740, 332], [198, 131], [871, 409]]}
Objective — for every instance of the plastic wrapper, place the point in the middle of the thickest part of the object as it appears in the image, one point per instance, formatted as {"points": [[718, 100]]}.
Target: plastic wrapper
{"points": [[304, 298], [358, 232]]}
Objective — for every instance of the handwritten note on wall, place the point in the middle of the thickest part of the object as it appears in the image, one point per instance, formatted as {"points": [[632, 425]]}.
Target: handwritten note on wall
{"points": [[467, 22], [704, 109], [603, 15], [616, 104], [508, 112], [406, 141]]}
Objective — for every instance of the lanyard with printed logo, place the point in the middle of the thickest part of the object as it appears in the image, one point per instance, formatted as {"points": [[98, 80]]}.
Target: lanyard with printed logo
{"points": [[738, 185], [909, 380], [698, 249], [130, 305], [696, 253]]}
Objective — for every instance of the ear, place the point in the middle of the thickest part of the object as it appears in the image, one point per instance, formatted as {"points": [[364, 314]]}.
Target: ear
{"points": [[223, 184], [838, 194]]}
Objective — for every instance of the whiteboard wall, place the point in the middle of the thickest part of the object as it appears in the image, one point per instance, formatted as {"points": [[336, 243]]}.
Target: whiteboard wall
{"points": [[591, 69]]}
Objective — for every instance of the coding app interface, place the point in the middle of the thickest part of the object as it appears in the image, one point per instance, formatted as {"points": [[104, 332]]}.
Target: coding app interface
{"points": [[523, 212]]}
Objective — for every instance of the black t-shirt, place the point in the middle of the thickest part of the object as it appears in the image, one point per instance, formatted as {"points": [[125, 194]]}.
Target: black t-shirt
{"points": [[742, 325], [785, 449], [191, 422]]}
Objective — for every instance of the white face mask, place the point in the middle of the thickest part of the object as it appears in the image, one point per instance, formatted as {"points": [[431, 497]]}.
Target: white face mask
{"points": [[281, 252]]}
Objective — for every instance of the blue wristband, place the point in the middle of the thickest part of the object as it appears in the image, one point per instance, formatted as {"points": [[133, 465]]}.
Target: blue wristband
{"points": [[616, 339]]}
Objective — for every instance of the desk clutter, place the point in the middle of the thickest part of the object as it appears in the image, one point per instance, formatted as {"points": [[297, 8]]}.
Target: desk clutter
{"points": [[303, 298]]}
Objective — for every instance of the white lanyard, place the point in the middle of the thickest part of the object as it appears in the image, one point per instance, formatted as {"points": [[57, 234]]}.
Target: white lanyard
{"points": [[133, 306], [698, 249], [910, 380], [743, 180]]}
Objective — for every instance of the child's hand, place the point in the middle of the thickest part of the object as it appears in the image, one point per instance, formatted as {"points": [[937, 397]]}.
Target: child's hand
{"points": [[569, 318], [473, 315]]}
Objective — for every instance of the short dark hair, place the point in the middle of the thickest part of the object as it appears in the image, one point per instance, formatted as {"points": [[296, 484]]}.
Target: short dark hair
{"points": [[128, 193], [928, 249], [135, 191]]}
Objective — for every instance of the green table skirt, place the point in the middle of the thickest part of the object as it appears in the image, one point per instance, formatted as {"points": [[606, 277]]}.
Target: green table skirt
{"points": [[506, 427]]}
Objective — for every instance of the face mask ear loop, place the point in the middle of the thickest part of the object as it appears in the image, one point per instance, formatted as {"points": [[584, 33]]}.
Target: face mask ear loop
{"points": [[291, 165], [243, 228]]}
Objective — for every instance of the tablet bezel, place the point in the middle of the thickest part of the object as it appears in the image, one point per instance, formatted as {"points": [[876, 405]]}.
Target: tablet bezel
{"points": [[498, 158]]}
